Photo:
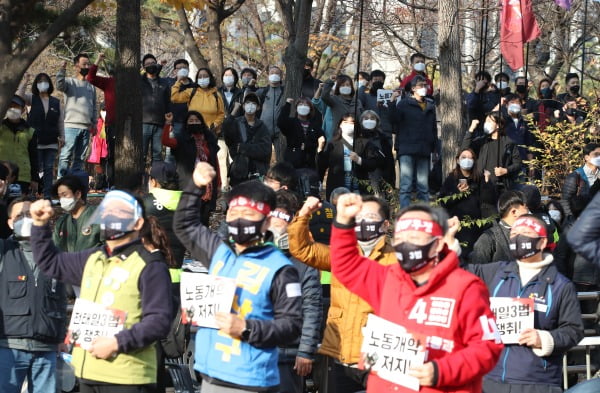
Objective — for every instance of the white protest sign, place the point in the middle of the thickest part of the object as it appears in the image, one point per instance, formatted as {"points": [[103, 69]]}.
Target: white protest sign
{"points": [[393, 351], [384, 95], [513, 315], [203, 295], [90, 320]]}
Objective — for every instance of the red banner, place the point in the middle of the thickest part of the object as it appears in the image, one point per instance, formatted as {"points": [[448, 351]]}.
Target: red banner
{"points": [[518, 27]]}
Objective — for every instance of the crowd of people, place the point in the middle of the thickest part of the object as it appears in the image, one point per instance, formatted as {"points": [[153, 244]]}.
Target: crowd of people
{"points": [[311, 233]]}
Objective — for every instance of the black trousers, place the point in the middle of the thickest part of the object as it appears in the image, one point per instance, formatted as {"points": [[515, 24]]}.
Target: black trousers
{"points": [[93, 388]]}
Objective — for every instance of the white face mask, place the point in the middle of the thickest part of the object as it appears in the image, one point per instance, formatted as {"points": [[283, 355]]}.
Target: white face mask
{"points": [[183, 73], [23, 227], [13, 113], [250, 107], [67, 204], [466, 163], [502, 85], [303, 110], [369, 124], [246, 80], [488, 128], [514, 108], [228, 80], [203, 82], [347, 130], [421, 91], [419, 67], [555, 215], [362, 82], [274, 78], [595, 161], [345, 90], [43, 87]]}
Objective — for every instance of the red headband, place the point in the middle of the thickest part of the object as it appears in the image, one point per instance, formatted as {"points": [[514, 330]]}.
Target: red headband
{"points": [[532, 224], [260, 207], [416, 224]]}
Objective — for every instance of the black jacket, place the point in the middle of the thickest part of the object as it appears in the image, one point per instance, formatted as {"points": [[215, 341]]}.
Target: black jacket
{"points": [[185, 155], [256, 146], [574, 266], [577, 183], [417, 128], [238, 96], [155, 100], [32, 305], [302, 143], [379, 150], [45, 124], [155, 207], [492, 245], [584, 236]]}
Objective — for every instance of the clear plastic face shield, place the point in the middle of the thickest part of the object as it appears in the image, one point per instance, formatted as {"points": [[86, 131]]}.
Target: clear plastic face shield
{"points": [[117, 215]]}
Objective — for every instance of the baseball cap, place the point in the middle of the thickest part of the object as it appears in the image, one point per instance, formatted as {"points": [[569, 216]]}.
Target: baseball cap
{"points": [[164, 172]]}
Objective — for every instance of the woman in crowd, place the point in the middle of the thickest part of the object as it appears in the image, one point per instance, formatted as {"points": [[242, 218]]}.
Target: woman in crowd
{"points": [[547, 104], [301, 131], [47, 119], [196, 144], [468, 192], [230, 92], [203, 98], [343, 101], [496, 152], [378, 149], [344, 158]]}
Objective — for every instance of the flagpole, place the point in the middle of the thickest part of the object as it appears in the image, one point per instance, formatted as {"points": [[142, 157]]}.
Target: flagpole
{"points": [[527, 62], [360, 31], [585, 11]]}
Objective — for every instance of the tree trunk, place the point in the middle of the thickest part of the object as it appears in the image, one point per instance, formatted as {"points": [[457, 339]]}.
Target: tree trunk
{"points": [[450, 108], [189, 42], [215, 42], [295, 53], [129, 164]]}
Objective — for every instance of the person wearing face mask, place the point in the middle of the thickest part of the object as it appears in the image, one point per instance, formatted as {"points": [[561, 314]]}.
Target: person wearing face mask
{"points": [[248, 77], [573, 88], [496, 152], [181, 71], [80, 114], [230, 91], [483, 99], [71, 232], [406, 293], [417, 60], [501, 79], [267, 311], [535, 363], [522, 91], [583, 180], [347, 314], [249, 141], [493, 245], [33, 310], [46, 117], [517, 129], [302, 132], [342, 100], [473, 196], [382, 109], [296, 357], [195, 144], [155, 104], [378, 150], [122, 275], [272, 100], [18, 145], [344, 158], [547, 103], [416, 140]]}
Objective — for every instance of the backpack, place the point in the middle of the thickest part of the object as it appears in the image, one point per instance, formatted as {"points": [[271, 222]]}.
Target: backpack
{"points": [[176, 342]]}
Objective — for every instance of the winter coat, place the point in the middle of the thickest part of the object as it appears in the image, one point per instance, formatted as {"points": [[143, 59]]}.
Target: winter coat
{"points": [[576, 183], [348, 312], [394, 296], [492, 245], [369, 101], [339, 105], [155, 100], [238, 96], [379, 150], [302, 144], [556, 311], [417, 128], [584, 236], [256, 146], [208, 102]]}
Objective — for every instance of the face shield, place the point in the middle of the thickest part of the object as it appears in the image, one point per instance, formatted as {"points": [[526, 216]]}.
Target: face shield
{"points": [[116, 215]]}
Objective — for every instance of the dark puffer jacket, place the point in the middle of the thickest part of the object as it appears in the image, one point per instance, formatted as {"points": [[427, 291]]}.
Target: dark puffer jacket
{"points": [[417, 128]]}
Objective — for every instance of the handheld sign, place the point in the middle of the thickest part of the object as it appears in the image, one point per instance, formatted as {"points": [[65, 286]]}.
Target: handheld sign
{"points": [[203, 295], [90, 320], [391, 351], [384, 95], [513, 315]]}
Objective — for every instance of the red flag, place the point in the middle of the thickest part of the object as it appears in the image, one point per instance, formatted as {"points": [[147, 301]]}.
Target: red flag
{"points": [[518, 26]]}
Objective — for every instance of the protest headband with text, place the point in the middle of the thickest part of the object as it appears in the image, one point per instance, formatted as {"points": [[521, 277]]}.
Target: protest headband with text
{"points": [[531, 224], [281, 215], [260, 207], [415, 224]]}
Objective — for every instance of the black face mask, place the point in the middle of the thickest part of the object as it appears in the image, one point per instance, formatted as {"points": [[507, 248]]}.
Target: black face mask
{"points": [[243, 231], [571, 112], [84, 71], [413, 257], [521, 89], [195, 128], [574, 89], [113, 227], [306, 73], [368, 230], [522, 246], [376, 86], [546, 93], [152, 69]]}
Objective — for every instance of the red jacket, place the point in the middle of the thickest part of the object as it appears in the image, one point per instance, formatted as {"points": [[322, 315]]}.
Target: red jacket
{"points": [[107, 85], [456, 341], [407, 79]]}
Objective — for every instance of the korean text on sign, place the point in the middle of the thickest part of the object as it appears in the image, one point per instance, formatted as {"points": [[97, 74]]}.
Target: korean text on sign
{"points": [[513, 315], [384, 95], [90, 320], [203, 295], [393, 350]]}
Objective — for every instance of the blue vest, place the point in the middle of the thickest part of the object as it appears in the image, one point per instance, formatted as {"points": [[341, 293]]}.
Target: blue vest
{"points": [[228, 359]]}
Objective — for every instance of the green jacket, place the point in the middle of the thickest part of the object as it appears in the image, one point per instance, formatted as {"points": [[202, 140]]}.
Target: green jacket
{"points": [[75, 235], [14, 146]]}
